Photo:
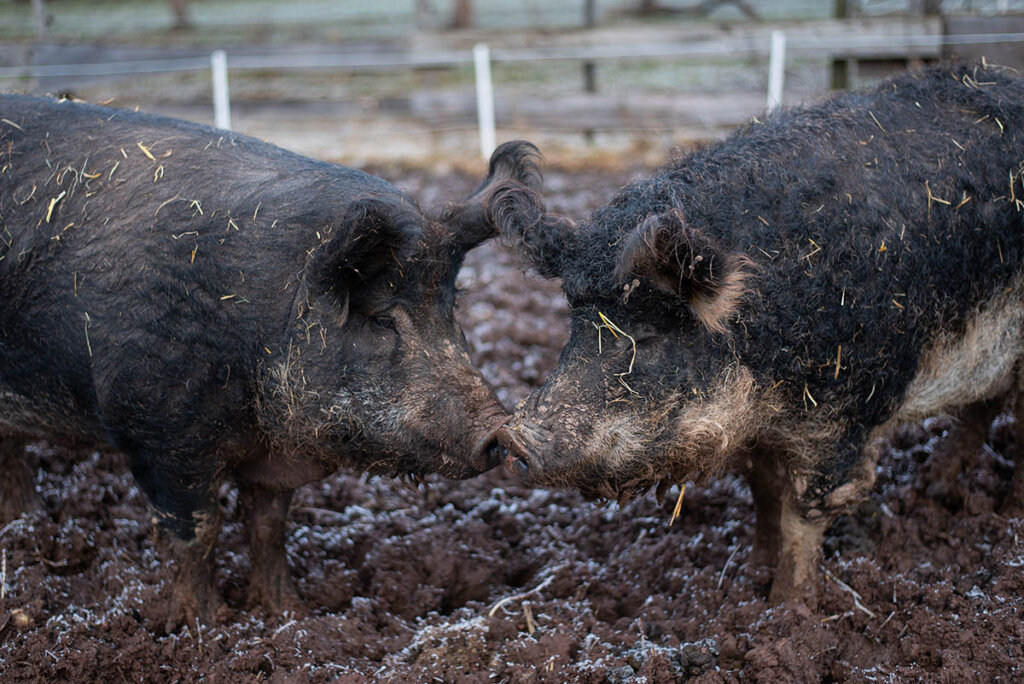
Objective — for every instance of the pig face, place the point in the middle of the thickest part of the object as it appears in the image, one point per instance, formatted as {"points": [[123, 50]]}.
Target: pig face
{"points": [[378, 374], [646, 390]]}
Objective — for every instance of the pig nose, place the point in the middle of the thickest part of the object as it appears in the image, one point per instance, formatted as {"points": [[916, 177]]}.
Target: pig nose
{"points": [[516, 458], [495, 453], [489, 452]]}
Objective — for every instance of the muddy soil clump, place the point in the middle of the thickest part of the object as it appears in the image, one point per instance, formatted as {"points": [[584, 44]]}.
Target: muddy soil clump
{"points": [[485, 580]]}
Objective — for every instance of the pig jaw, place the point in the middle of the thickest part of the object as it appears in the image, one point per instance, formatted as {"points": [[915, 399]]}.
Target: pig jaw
{"points": [[605, 461], [447, 414], [566, 434], [616, 453], [367, 422]]}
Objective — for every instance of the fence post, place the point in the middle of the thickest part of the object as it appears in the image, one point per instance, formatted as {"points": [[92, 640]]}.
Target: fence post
{"points": [[41, 18], [776, 70], [589, 66], [484, 98], [221, 100]]}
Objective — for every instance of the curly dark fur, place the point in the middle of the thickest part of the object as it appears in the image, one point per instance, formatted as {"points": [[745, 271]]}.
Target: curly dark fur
{"points": [[876, 220], [513, 164], [873, 250], [519, 214]]}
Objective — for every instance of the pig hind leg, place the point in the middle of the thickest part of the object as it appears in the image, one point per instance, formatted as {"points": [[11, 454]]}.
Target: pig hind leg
{"points": [[1013, 503], [266, 511], [17, 488], [958, 450]]}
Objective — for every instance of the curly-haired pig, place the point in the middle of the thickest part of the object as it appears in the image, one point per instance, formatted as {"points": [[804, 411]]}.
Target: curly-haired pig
{"points": [[776, 302]]}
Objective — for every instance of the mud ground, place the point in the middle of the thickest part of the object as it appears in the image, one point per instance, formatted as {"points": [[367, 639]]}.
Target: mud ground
{"points": [[485, 580]]}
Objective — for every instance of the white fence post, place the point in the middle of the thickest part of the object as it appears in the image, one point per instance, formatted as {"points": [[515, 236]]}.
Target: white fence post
{"points": [[484, 98], [221, 100], [776, 70], [41, 18]]}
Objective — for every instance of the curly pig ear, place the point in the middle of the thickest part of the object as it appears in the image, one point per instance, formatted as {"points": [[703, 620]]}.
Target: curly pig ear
{"points": [[513, 164], [521, 218], [509, 203], [676, 258]]}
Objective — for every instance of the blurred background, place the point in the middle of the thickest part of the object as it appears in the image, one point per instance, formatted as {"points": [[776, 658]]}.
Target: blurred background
{"points": [[396, 80]]}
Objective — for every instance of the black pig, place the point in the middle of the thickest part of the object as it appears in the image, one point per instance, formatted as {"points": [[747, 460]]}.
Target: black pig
{"points": [[215, 306], [776, 302]]}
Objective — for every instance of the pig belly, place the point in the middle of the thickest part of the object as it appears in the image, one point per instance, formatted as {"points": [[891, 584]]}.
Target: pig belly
{"points": [[979, 364], [40, 418]]}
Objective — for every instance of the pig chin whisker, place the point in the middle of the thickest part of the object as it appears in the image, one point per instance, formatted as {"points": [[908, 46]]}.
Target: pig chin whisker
{"points": [[618, 444], [703, 436]]}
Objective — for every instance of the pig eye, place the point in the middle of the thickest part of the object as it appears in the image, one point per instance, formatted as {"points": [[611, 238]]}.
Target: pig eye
{"points": [[386, 322]]}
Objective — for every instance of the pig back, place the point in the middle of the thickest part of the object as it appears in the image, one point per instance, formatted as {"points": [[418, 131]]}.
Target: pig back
{"points": [[875, 222], [148, 258]]}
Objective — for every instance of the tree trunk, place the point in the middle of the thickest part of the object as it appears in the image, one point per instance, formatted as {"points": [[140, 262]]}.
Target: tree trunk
{"points": [[181, 18], [463, 17]]}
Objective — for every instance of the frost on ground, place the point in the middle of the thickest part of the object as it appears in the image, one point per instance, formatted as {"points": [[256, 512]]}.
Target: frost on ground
{"points": [[486, 581]]}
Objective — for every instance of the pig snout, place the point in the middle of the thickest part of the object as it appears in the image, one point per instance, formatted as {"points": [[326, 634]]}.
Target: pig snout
{"points": [[518, 450], [476, 449], [489, 452]]}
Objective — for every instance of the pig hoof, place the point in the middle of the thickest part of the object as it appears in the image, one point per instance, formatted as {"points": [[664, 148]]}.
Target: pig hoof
{"points": [[194, 612], [802, 600], [274, 603]]}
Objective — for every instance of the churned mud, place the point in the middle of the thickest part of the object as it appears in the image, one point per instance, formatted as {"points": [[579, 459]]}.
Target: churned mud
{"points": [[485, 580]]}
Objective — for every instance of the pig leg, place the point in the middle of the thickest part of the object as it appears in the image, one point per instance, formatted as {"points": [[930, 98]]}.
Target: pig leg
{"points": [[194, 597], [181, 490], [17, 489], [765, 485], [804, 518], [270, 584], [958, 449], [1013, 504], [796, 577], [783, 536]]}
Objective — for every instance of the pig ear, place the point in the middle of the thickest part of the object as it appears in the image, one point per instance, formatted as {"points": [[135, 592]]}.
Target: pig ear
{"points": [[371, 234], [520, 217], [508, 203], [681, 260], [513, 164]]}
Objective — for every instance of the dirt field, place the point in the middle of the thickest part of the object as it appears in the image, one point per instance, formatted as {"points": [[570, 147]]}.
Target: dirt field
{"points": [[485, 580]]}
